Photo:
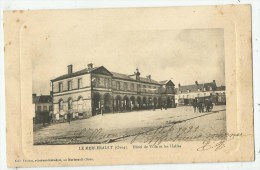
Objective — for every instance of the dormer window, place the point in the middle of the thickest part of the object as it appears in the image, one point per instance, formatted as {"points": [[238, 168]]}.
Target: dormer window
{"points": [[188, 90], [198, 89], [204, 89]]}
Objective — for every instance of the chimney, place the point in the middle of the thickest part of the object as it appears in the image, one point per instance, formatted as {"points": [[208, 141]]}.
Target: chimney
{"points": [[149, 77], [196, 82], [70, 69], [179, 85], [90, 65]]}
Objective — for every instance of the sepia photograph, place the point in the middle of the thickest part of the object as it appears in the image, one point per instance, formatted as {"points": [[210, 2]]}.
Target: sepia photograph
{"points": [[128, 86], [151, 87]]}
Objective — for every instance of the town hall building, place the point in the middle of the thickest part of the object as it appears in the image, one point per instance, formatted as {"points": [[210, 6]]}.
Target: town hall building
{"points": [[96, 90]]}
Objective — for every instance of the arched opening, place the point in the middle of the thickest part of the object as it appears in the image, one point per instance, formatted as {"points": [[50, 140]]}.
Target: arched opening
{"points": [[169, 101], [70, 105], [117, 103], [155, 102], [60, 105], [139, 102], [144, 102], [80, 104], [70, 109], [160, 102], [80, 107], [60, 116], [132, 102], [96, 104], [126, 103], [150, 102], [107, 103]]}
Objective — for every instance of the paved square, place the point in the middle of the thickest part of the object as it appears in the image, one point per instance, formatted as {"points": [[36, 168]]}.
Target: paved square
{"points": [[136, 126]]}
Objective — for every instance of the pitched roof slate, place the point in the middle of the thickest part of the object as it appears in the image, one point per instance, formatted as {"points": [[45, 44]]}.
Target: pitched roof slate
{"points": [[114, 74], [77, 73], [195, 88], [43, 99]]}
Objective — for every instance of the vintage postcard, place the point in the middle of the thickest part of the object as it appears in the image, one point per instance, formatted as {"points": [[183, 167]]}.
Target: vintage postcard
{"points": [[128, 86]]}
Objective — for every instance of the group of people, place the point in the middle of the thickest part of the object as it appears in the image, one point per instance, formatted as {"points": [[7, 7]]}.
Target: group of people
{"points": [[202, 106]]}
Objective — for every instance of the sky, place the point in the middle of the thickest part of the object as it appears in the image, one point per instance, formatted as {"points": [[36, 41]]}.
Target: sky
{"points": [[182, 55]]}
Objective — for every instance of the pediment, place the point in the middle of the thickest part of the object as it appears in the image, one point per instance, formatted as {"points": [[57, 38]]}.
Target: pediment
{"points": [[102, 70]]}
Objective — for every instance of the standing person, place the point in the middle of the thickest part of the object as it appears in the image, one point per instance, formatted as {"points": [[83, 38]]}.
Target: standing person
{"points": [[69, 117], [194, 105], [207, 105], [165, 106], [200, 106]]}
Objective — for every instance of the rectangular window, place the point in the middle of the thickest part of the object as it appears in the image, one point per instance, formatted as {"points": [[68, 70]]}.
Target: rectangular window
{"points": [[39, 108], [144, 88], [109, 83], [69, 85], [105, 83], [155, 89], [125, 86], [138, 88], [114, 84], [101, 82], [44, 108], [60, 87], [97, 82], [80, 83], [132, 86], [149, 89], [118, 85]]}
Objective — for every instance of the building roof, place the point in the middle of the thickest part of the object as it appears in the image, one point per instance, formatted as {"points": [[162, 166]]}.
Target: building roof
{"points": [[220, 88], [211, 84], [114, 75], [43, 99], [196, 87], [163, 82], [166, 82], [121, 76], [132, 77], [77, 73], [81, 72], [147, 80]]}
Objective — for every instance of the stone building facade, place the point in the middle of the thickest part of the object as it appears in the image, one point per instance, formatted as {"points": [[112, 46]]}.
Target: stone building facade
{"points": [[42, 106], [96, 90], [186, 94]]}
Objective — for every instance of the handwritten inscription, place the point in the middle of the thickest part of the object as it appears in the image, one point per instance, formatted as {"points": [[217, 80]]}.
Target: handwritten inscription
{"points": [[154, 138], [208, 143]]}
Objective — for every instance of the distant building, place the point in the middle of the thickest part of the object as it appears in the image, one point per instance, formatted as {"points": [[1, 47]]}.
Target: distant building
{"points": [[185, 94], [220, 95], [42, 107], [93, 90]]}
